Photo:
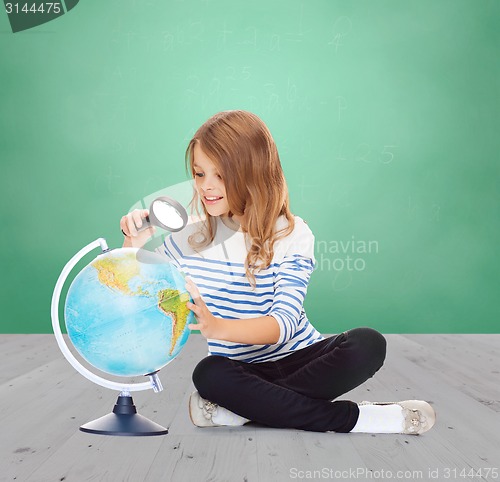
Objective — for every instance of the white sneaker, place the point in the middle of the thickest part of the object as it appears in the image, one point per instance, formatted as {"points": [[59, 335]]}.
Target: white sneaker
{"points": [[419, 416], [204, 413]]}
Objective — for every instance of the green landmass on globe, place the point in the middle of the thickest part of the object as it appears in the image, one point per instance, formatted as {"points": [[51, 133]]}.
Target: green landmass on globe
{"points": [[173, 304]]}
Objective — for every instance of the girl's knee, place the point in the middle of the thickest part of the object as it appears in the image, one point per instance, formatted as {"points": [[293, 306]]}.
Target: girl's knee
{"points": [[370, 342], [206, 372]]}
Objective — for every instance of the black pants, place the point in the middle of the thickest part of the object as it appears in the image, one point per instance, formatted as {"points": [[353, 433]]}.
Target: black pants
{"points": [[296, 391]]}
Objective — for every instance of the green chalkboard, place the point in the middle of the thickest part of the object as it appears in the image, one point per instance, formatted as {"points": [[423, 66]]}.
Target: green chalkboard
{"points": [[385, 114]]}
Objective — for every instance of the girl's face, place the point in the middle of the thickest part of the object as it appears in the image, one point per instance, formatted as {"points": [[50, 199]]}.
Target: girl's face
{"points": [[209, 183]]}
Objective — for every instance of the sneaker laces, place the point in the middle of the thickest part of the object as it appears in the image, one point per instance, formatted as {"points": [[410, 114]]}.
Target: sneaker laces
{"points": [[209, 408]]}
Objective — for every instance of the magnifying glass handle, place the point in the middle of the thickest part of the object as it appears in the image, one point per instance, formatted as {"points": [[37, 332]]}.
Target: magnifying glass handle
{"points": [[146, 223]]}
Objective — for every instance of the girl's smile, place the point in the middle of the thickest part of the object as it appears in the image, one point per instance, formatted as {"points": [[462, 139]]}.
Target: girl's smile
{"points": [[211, 199]]}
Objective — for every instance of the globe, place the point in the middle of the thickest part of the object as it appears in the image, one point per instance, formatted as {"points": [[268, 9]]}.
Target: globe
{"points": [[127, 316]]}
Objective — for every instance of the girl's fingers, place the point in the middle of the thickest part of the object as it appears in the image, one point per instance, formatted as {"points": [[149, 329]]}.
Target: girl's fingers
{"points": [[139, 215], [193, 290], [131, 225], [198, 302], [195, 309]]}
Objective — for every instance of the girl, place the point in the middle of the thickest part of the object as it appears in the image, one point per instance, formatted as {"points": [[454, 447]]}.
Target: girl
{"points": [[248, 262]]}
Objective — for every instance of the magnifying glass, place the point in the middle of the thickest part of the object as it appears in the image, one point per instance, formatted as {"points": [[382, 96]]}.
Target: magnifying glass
{"points": [[166, 213]]}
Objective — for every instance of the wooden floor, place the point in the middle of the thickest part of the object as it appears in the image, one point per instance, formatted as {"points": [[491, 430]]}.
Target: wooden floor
{"points": [[43, 401]]}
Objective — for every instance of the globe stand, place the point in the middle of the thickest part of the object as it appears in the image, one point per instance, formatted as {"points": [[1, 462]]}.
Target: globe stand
{"points": [[124, 420]]}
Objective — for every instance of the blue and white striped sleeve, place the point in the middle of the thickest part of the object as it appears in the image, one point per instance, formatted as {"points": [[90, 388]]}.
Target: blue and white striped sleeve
{"points": [[291, 281]]}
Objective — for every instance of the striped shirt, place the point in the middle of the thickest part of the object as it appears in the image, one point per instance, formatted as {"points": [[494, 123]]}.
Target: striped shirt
{"points": [[218, 271]]}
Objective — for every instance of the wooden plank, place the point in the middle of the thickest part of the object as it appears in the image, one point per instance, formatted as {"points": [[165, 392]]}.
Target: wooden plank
{"points": [[310, 452], [460, 347], [95, 457], [275, 458], [22, 353], [226, 456], [487, 342], [476, 374]]}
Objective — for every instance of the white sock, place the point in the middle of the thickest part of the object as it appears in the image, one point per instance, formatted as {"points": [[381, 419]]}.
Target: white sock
{"points": [[380, 419], [223, 416]]}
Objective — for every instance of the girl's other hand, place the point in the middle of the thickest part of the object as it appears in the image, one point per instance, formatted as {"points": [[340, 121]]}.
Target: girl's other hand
{"points": [[206, 322], [129, 225]]}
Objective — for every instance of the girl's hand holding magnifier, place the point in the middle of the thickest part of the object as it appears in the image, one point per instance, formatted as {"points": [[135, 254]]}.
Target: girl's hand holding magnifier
{"points": [[130, 225]]}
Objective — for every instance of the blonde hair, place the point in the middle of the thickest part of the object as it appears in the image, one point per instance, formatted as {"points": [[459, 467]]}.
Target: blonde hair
{"points": [[245, 154]]}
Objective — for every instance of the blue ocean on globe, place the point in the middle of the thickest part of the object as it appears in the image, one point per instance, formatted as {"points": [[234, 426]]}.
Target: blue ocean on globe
{"points": [[128, 317]]}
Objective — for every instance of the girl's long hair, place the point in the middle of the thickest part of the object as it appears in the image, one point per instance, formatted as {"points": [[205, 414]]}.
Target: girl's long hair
{"points": [[245, 154]]}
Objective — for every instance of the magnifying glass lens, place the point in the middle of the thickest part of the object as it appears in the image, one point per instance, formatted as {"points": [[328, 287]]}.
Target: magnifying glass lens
{"points": [[167, 215]]}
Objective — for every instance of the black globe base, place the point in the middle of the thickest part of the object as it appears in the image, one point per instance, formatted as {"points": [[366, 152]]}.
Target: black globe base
{"points": [[124, 421]]}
